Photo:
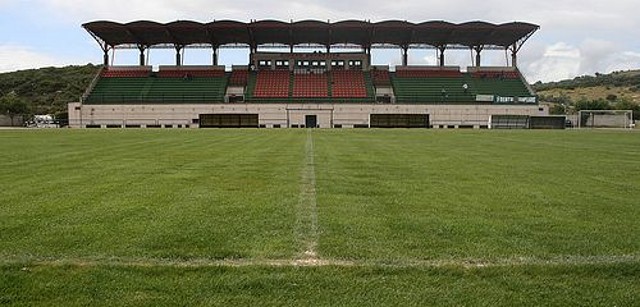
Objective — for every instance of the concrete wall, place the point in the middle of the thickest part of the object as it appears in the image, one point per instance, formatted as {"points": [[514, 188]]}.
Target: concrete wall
{"points": [[286, 115], [5, 121], [608, 120]]}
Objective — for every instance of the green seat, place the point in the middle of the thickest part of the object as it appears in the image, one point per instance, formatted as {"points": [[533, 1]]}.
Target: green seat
{"points": [[432, 90], [450, 90], [158, 90]]}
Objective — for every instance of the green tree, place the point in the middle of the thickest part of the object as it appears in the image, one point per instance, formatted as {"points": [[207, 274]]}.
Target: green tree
{"points": [[598, 104], [12, 105], [625, 104], [557, 109]]}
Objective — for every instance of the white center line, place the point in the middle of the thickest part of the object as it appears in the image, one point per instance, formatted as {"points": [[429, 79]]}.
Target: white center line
{"points": [[307, 221]]}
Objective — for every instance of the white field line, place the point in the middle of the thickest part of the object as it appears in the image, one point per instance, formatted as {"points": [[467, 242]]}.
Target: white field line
{"points": [[307, 219], [27, 262]]}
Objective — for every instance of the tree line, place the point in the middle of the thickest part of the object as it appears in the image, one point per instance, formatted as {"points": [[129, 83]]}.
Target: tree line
{"points": [[630, 79], [43, 91]]}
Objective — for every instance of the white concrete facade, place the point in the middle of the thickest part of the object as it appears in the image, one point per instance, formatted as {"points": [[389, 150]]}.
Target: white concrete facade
{"points": [[289, 115]]}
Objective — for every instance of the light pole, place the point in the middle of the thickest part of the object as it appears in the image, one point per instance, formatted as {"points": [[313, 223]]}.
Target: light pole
{"points": [[55, 97]]}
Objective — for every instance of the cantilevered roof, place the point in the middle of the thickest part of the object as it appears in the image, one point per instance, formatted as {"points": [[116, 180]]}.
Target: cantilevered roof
{"points": [[349, 32]]}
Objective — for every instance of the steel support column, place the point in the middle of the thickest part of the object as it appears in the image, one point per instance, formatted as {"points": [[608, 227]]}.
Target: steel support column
{"points": [[252, 51], [178, 56], [105, 58], [215, 56], [441, 49], [142, 57], [405, 55], [478, 58]]}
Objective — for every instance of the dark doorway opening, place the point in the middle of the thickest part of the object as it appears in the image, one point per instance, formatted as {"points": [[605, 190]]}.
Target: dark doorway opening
{"points": [[311, 121]]}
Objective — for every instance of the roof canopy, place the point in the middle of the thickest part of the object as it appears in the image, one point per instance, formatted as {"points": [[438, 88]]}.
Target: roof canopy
{"points": [[143, 34]]}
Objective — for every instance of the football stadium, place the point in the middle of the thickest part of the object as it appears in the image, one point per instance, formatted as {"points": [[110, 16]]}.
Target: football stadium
{"points": [[331, 87], [433, 216]]}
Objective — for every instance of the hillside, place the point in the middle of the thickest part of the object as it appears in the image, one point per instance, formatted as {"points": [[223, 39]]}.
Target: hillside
{"points": [[48, 90], [617, 90]]}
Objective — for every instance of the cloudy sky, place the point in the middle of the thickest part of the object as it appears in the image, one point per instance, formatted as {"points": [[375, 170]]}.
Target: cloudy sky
{"points": [[576, 37]]}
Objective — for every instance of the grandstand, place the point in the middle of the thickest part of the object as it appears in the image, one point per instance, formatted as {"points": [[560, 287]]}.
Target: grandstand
{"points": [[297, 88]]}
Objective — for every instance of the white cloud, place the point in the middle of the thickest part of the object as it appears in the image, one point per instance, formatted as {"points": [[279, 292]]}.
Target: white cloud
{"points": [[594, 54], [622, 61], [430, 59], [564, 61], [559, 61], [16, 57]]}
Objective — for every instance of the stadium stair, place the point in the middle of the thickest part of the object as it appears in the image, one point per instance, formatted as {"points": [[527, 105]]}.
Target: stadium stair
{"points": [[381, 77], [239, 77]]}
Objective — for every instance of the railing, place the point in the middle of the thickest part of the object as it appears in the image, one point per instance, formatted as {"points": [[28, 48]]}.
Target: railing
{"points": [[156, 99], [92, 85], [526, 84]]}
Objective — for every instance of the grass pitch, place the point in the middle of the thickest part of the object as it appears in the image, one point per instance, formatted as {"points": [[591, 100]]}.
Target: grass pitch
{"points": [[327, 217]]}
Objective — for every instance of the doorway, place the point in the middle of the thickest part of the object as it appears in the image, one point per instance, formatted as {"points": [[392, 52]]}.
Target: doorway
{"points": [[311, 121]]}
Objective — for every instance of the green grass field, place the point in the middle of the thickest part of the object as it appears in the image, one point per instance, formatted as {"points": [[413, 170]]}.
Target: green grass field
{"points": [[325, 217]]}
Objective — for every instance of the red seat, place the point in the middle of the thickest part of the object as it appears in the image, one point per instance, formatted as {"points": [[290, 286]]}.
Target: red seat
{"points": [[428, 73], [112, 72], [348, 84], [310, 85], [198, 73], [496, 74], [272, 83]]}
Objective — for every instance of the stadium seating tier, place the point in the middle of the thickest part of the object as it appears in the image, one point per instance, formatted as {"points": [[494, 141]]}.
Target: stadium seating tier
{"points": [[158, 90], [452, 87], [340, 86]]}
